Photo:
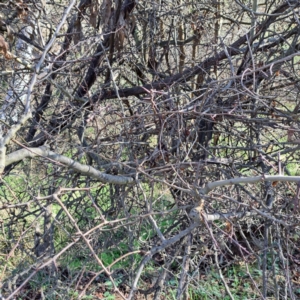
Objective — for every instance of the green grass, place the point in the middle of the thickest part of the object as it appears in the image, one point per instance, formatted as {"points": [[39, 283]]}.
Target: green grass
{"points": [[293, 168]]}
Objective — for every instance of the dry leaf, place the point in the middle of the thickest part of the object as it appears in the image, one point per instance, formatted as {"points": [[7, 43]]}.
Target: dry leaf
{"points": [[22, 9], [4, 50], [229, 227]]}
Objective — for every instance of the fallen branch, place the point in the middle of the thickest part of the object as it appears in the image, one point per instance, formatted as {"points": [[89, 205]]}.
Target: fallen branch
{"points": [[66, 162]]}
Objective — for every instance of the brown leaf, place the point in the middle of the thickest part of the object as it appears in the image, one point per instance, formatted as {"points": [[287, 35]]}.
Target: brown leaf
{"points": [[229, 227], [4, 48], [22, 9]]}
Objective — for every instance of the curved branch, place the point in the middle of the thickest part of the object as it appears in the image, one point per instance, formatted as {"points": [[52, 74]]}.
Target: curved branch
{"points": [[67, 162], [4, 140], [212, 185], [156, 249]]}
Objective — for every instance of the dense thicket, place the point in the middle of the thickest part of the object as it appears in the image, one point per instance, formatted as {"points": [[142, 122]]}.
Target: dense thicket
{"points": [[149, 148]]}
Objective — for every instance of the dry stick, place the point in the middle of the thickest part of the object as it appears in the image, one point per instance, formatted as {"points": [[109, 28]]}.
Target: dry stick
{"points": [[274, 14], [185, 268], [186, 75], [152, 220], [67, 162], [233, 49], [155, 250], [11, 252], [43, 56], [55, 196], [162, 277], [79, 279], [39, 267], [273, 257], [31, 152], [210, 186], [6, 206], [27, 110], [48, 89], [246, 264], [215, 246], [108, 267], [265, 252], [197, 215], [285, 262], [75, 240], [11, 134]]}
